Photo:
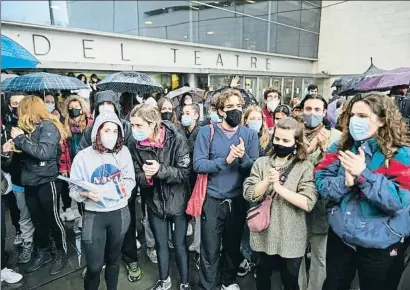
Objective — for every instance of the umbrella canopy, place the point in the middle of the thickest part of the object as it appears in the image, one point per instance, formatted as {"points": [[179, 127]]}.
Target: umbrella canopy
{"points": [[13, 55], [386, 80], [42, 82], [194, 92], [341, 81], [352, 86], [7, 76], [131, 82]]}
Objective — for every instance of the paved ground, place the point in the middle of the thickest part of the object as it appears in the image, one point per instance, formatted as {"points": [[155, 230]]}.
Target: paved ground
{"points": [[70, 278]]}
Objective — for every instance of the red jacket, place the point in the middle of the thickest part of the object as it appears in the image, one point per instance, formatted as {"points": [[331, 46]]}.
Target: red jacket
{"points": [[65, 160], [269, 118]]}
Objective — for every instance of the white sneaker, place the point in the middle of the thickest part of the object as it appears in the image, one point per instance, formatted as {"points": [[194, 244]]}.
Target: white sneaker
{"points": [[69, 215], [162, 284], [191, 248], [9, 276], [18, 240], [138, 245], [190, 230], [152, 255], [231, 287]]}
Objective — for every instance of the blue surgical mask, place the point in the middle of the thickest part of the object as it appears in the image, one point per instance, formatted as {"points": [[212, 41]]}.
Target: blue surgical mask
{"points": [[50, 107], [215, 117], [312, 120], [359, 128], [186, 121], [255, 125], [139, 135]]}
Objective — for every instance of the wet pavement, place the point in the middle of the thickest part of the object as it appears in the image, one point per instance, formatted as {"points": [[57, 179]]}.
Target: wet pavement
{"points": [[70, 278]]}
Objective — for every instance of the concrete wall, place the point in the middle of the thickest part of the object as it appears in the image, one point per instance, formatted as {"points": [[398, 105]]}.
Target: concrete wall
{"points": [[353, 31]]}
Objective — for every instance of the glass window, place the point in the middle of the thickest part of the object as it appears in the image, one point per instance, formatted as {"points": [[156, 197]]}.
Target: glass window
{"points": [[293, 16], [250, 85], [287, 40], [126, 17], [310, 17], [287, 90], [308, 44], [218, 81], [306, 83], [91, 15], [297, 88], [36, 12], [264, 83], [277, 84], [255, 34]]}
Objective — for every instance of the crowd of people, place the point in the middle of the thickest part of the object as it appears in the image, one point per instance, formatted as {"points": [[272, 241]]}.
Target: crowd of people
{"points": [[282, 181]]}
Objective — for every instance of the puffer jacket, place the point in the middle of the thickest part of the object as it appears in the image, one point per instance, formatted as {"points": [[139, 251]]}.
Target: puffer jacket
{"points": [[40, 154], [168, 192], [13, 166], [374, 213]]}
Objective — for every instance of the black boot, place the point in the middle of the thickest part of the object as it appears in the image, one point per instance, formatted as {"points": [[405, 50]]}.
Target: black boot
{"points": [[59, 262], [43, 257]]}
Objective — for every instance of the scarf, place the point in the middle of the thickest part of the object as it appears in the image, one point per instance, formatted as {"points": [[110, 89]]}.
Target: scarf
{"points": [[310, 134], [75, 126]]}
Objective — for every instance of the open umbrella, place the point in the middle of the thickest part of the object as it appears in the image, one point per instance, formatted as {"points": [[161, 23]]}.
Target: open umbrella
{"points": [[131, 82], [13, 55], [386, 80], [352, 86], [194, 92], [41, 82], [249, 99]]}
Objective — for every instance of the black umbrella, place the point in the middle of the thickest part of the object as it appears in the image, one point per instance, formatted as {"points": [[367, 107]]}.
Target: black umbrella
{"points": [[249, 99], [131, 82]]}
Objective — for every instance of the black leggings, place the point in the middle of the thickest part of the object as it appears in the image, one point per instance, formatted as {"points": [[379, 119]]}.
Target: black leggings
{"points": [[65, 196], [160, 228], [289, 271]]}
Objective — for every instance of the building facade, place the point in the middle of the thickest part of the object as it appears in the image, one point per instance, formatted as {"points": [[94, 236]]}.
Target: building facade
{"points": [[268, 43]]}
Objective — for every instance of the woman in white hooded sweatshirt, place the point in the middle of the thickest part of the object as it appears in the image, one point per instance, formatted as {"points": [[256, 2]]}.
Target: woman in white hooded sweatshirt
{"points": [[107, 165]]}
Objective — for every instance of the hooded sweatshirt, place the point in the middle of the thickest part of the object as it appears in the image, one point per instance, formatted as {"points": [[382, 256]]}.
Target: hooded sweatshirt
{"points": [[101, 97], [113, 173]]}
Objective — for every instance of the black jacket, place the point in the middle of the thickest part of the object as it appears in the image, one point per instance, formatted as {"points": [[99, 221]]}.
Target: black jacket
{"points": [[100, 97], [13, 165], [169, 193], [40, 155]]}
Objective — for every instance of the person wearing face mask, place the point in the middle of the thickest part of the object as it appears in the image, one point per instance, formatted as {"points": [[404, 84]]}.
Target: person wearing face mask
{"points": [[272, 100], [168, 113], [105, 104], [162, 167], [318, 138], [287, 176], [213, 116], [19, 212], [50, 100], [38, 137], [227, 159], [107, 165], [363, 179]]}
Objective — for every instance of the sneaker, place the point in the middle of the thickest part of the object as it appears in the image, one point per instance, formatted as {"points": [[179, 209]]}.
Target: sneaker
{"points": [[138, 245], [152, 255], [10, 276], [134, 272], [231, 287], [18, 240], [185, 287], [43, 257], [25, 253], [59, 262], [190, 230], [162, 284], [69, 215], [244, 268]]}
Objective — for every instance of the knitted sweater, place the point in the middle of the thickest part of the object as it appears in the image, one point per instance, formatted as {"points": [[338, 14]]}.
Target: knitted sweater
{"points": [[287, 233]]}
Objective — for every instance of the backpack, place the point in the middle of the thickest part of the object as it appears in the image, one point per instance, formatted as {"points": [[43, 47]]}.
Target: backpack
{"points": [[403, 104]]}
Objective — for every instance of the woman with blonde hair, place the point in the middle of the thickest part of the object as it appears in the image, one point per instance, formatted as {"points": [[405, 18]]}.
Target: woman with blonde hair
{"points": [[38, 137], [162, 167], [287, 176], [363, 177], [255, 119]]}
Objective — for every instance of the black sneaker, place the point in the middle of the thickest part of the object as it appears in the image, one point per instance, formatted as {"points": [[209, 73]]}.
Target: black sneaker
{"points": [[43, 257], [59, 262], [244, 268], [25, 253]]}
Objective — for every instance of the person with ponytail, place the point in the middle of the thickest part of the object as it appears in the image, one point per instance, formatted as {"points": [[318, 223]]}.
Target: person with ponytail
{"points": [[38, 136]]}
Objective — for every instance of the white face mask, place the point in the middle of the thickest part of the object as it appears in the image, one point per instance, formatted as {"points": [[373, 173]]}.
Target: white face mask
{"points": [[106, 108], [109, 140], [272, 105]]}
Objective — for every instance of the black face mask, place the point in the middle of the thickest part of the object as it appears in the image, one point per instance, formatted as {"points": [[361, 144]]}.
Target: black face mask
{"points": [[166, 116], [13, 117], [283, 151], [233, 117], [73, 113]]}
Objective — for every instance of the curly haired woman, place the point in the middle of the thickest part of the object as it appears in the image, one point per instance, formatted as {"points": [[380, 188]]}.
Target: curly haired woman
{"points": [[364, 179]]}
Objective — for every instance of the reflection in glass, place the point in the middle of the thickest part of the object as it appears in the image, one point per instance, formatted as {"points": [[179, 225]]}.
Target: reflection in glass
{"points": [[35, 12], [287, 90], [287, 40], [250, 85], [218, 81], [264, 83], [297, 88]]}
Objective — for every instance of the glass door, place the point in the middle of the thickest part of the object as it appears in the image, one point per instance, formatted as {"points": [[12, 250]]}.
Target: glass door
{"points": [[264, 83], [250, 85], [287, 90]]}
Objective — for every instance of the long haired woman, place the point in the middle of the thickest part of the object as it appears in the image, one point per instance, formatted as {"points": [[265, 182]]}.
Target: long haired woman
{"points": [[364, 179], [38, 137]]}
